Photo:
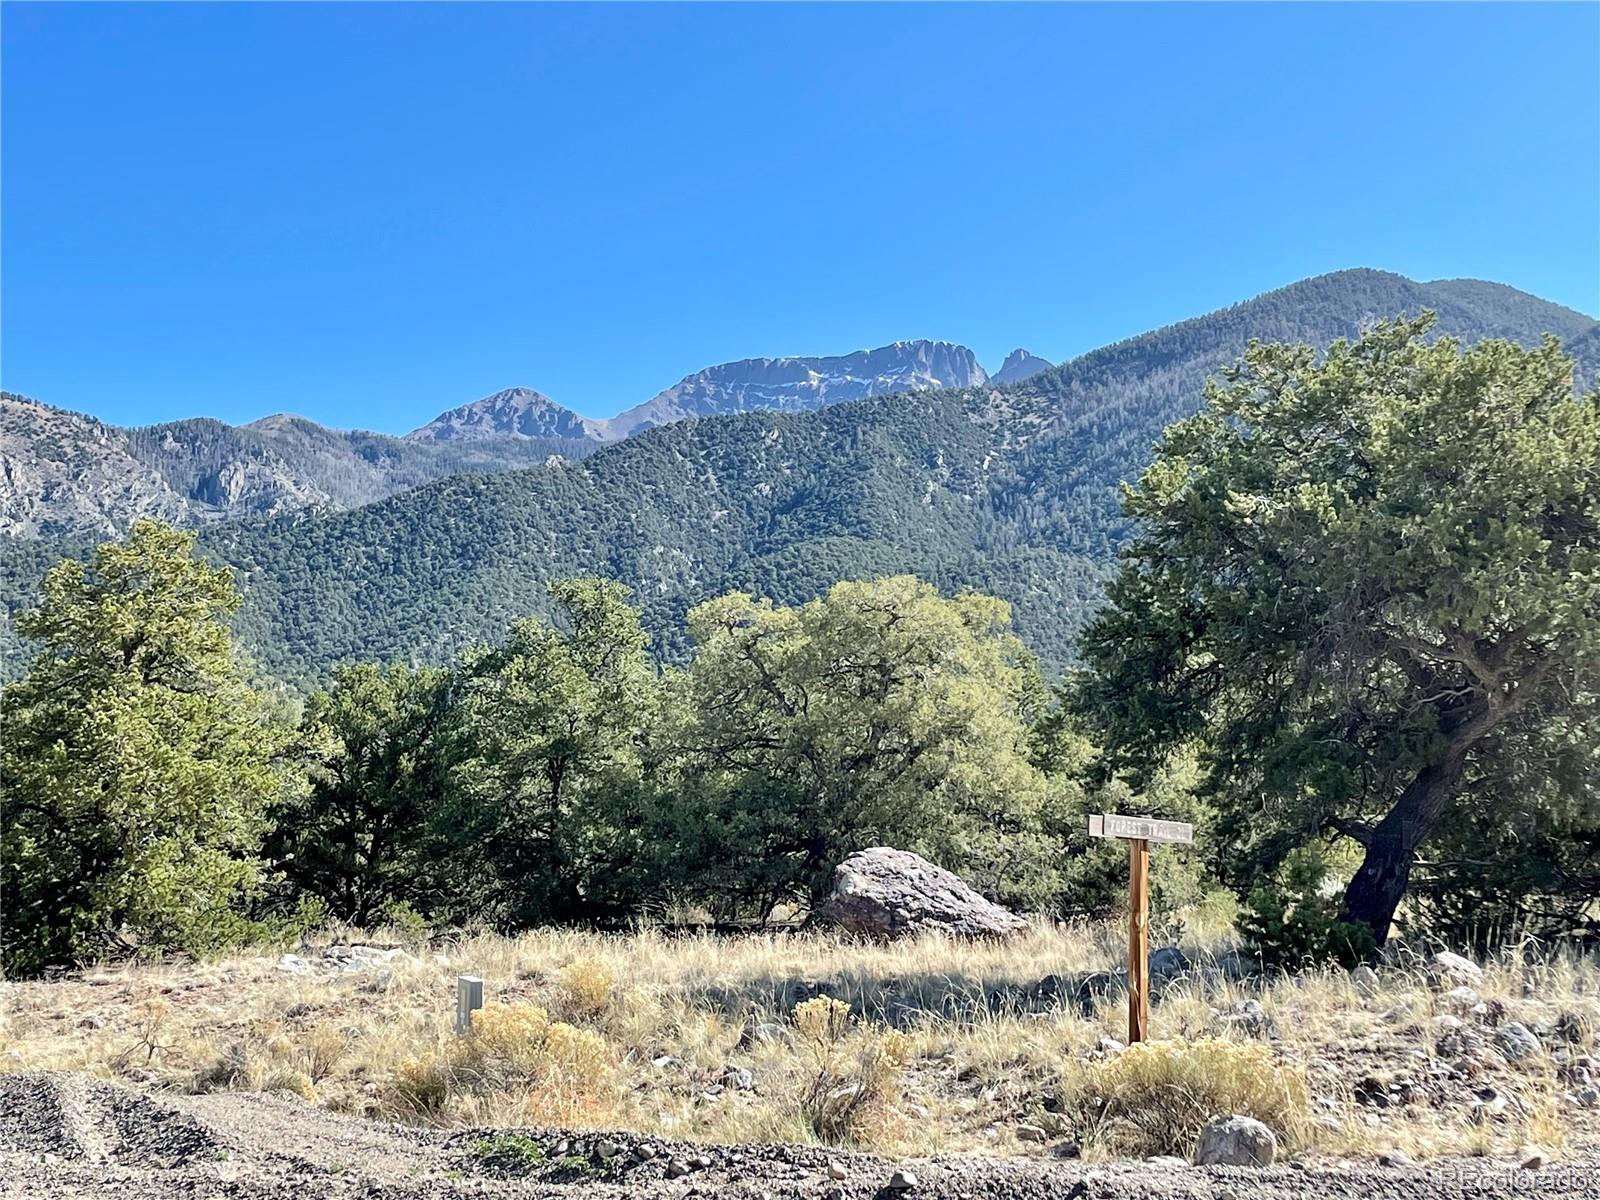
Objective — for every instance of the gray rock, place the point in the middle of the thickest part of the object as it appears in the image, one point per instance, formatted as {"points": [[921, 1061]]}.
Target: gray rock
{"points": [[1464, 1000], [1446, 970], [1516, 1041], [1365, 980], [1168, 960], [1248, 1017], [884, 892], [1236, 1141], [836, 1169], [902, 1181]]}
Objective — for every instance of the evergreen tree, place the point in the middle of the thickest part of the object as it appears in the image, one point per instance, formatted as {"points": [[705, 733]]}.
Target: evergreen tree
{"points": [[1366, 583], [136, 762]]}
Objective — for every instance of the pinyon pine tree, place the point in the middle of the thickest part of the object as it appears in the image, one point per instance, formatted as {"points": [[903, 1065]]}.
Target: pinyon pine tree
{"points": [[136, 762], [1367, 585]]}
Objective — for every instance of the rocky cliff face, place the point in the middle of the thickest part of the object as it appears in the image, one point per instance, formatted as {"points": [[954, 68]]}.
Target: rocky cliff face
{"points": [[63, 473], [800, 384], [515, 412], [1019, 365]]}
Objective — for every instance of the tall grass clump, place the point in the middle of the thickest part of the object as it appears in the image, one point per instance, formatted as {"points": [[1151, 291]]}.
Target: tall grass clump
{"points": [[546, 1071], [853, 1072]]}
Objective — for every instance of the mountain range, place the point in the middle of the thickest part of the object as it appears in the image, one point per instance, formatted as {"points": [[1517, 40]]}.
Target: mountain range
{"points": [[1008, 486], [63, 473], [749, 385]]}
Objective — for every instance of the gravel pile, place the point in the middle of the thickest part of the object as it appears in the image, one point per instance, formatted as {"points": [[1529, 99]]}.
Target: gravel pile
{"points": [[65, 1135]]}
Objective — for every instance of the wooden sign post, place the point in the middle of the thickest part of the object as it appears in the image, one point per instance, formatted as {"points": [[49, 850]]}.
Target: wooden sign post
{"points": [[1139, 832]]}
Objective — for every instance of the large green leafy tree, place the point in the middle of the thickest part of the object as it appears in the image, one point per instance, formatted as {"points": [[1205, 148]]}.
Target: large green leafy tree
{"points": [[361, 839], [1365, 585], [550, 727], [136, 761], [879, 714]]}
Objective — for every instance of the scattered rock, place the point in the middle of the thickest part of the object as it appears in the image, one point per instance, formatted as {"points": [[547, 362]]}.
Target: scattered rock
{"points": [[1534, 1161], [1464, 1000], [1032, 1133], [363, 958], [1365, 980], [1587, 1097], [1236, 1141], [902, 1181], [1516, 1041], [1487, 1105], [1451, 970], [607, 1149], [92, 1022], [1396, 1158], [836, 1169], [1248, 1017], [740, 1079], [884, 892]]}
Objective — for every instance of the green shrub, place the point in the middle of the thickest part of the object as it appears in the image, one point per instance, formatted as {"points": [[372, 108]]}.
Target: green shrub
{"points": [[1295, 924]]}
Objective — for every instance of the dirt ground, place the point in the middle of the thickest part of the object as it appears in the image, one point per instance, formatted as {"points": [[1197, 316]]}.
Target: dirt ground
{"points": [[65, 1134]]}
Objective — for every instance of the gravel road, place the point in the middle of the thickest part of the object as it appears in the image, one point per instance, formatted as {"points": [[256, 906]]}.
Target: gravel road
{"points": [[67, 1135]]}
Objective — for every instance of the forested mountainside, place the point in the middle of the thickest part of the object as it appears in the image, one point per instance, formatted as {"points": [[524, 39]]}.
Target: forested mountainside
{"points": [[1010, 489], [66, 474]]}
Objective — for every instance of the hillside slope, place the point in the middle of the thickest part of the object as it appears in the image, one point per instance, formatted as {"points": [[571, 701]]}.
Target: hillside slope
{"points": [[66, 474], [1011, 489]]}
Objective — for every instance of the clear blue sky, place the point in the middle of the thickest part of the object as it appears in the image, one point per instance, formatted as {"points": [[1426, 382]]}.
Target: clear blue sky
{"points": [[369, 213]]}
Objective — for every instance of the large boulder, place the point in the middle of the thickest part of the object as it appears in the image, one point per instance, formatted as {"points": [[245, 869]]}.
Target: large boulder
{"points": [[888, 893], [1236, 1141], [1446, 971]]}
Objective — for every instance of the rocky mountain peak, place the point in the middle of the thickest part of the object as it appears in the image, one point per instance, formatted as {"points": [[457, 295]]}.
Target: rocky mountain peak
{"points": [[1019, 365], [518, 412], [800, 384]]}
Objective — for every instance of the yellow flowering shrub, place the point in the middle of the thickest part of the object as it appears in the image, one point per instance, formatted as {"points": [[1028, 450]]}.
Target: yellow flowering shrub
{"points": [[1154, 1096], [854, 1079], [586, 988]]}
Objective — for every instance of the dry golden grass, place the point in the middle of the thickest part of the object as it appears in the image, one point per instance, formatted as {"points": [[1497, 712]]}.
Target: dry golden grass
{"points": [[930, 1048]]}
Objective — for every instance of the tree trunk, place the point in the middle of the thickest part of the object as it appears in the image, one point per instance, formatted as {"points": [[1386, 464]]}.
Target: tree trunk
{"points": [[1380, 884]]}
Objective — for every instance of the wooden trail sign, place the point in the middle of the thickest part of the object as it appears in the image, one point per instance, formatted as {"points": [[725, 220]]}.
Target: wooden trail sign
{"points": [[1139, 832]]}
